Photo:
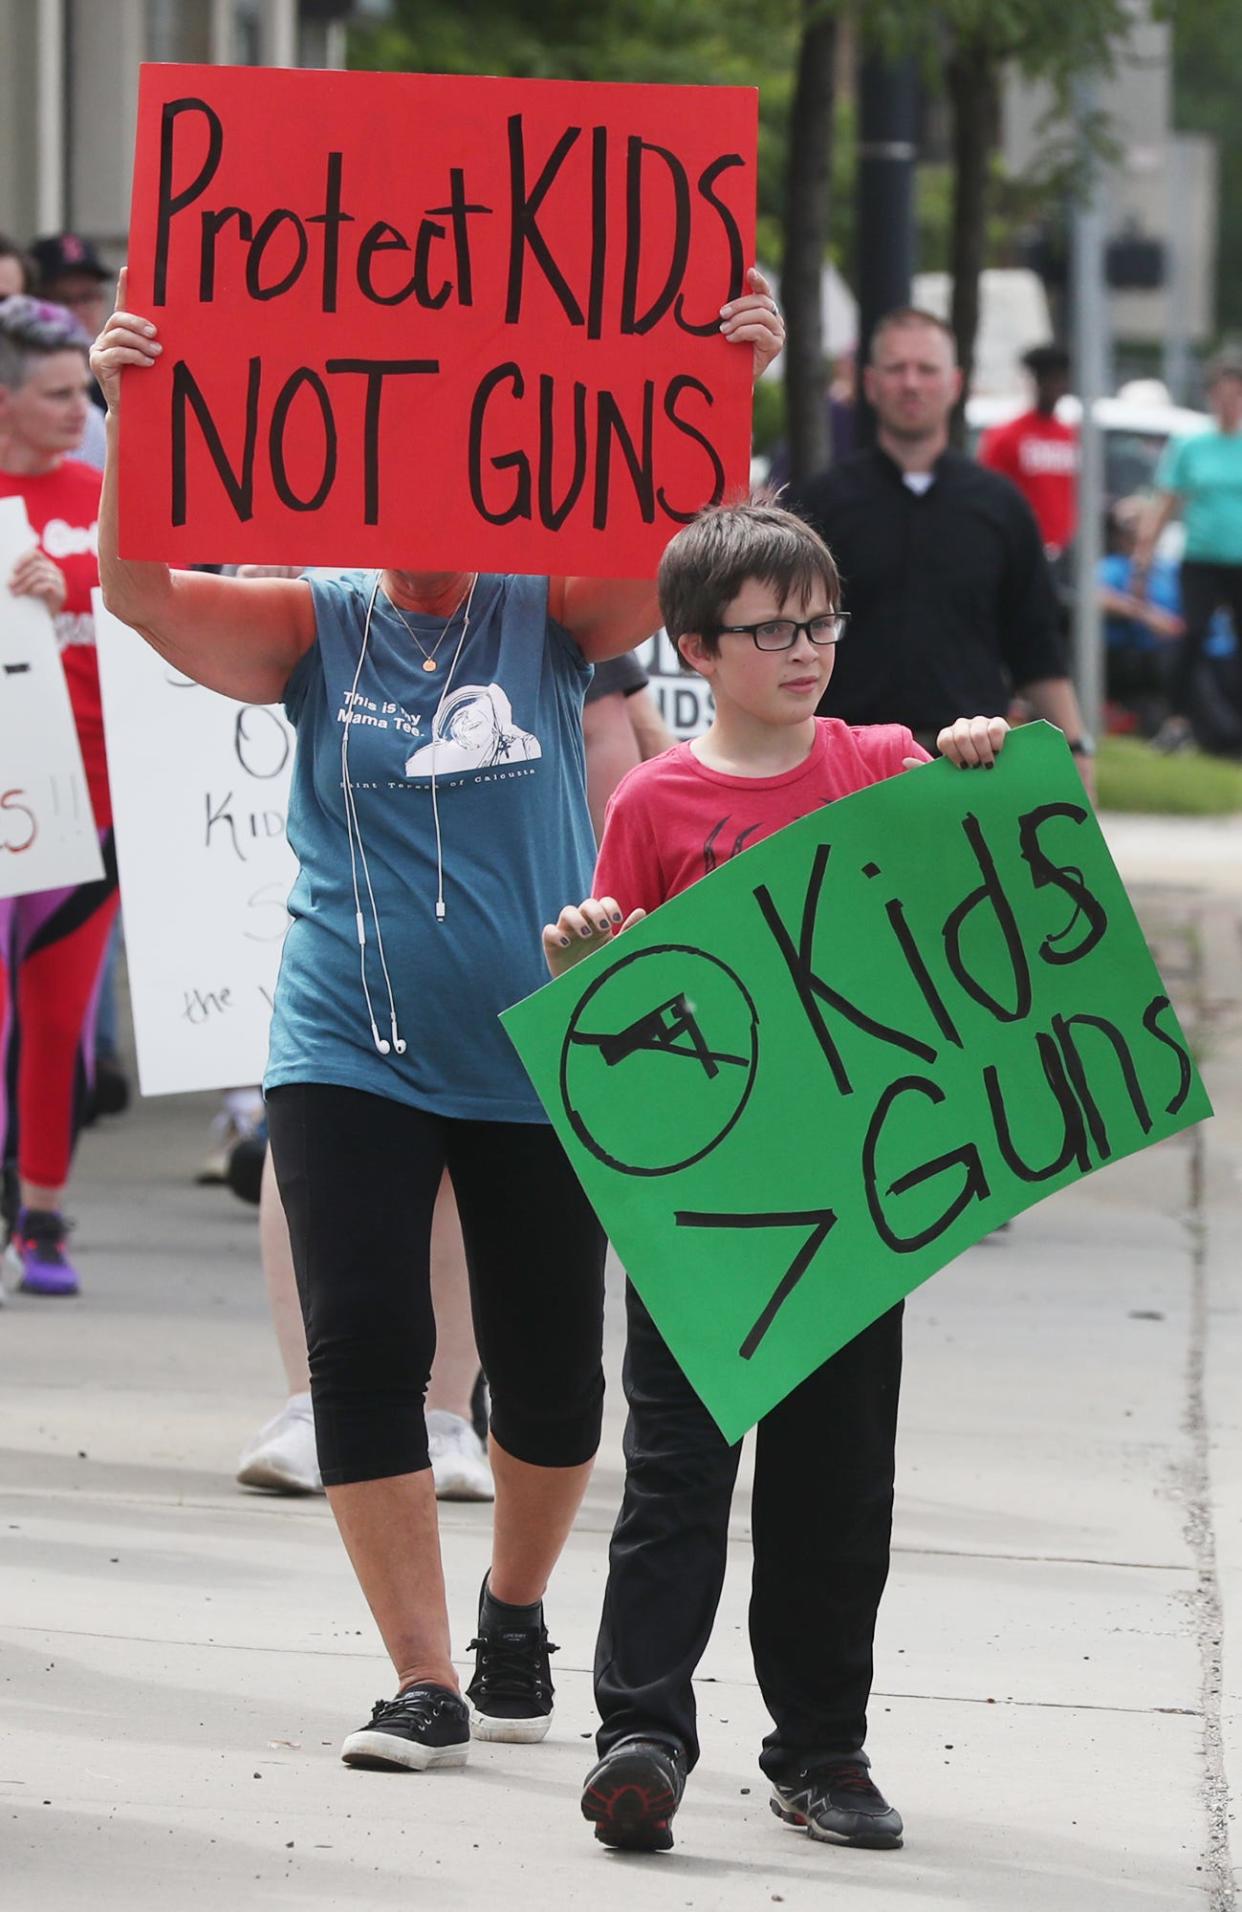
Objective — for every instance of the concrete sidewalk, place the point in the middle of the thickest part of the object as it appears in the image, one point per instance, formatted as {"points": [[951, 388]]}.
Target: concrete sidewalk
{"points": [[1057, 1702]]}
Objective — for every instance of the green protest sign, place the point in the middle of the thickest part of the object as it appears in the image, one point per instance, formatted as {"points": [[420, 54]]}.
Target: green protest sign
{"points": [[797, 1090]]}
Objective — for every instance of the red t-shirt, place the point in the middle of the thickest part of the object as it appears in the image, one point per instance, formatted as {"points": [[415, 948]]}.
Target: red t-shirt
{"points": [[672, 820], [1040, 454], [63, 508]]}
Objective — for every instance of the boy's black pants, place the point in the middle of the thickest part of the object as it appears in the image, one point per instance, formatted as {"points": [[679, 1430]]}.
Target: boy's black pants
{"points": [[821, 1520]]}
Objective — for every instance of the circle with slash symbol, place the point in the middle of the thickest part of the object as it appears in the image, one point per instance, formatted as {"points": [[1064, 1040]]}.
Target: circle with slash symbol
{"points": [[659, 1060]]}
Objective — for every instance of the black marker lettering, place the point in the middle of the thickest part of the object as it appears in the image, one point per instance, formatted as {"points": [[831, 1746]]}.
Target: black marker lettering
{"points": [[1073, 1133], [1061, 1029], [683, 382], [255, 725], [599, 230], [375, 371], [212, 224], [989, 891], [812, 989], [262, 239], [427, 231], [524, 231], [974, 1188], [895, 912], [517, 461], [459, 211], [550, 513], [331, 219], [733, 233], [170, 203], [631, 320], [1066, 877], [610, 424], [1151, 1022], [820, 1221], [240, 486], [276, 441], [381, 238]]}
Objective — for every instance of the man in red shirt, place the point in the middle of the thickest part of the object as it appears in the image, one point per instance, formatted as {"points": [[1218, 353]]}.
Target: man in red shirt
{"points": [[1039, 453]]}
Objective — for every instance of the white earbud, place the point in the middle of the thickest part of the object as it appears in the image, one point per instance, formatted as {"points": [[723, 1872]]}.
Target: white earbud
{"points": [[379, 1041]]}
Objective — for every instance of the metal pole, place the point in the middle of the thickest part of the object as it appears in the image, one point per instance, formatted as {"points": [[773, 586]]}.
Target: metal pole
{"points": [[887, 150], [50, 118], [1176, 288], [1090, 345]]}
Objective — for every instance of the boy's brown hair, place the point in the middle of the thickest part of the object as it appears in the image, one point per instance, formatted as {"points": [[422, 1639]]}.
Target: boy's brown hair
{"points": [[705, 566]]}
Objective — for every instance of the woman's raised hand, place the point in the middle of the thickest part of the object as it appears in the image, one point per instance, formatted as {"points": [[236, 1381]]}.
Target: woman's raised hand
{"points": [[125, 340], [755, 319]]}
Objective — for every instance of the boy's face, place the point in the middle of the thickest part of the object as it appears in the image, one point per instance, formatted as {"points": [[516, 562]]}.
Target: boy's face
{"points": [[773, 687]]}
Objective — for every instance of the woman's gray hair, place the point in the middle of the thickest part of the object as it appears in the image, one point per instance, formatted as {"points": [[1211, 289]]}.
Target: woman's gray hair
{"points": [[32, 329]]}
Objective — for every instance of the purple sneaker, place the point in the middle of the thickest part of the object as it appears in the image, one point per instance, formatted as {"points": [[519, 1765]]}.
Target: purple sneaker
{"points": [[39, 1244]]}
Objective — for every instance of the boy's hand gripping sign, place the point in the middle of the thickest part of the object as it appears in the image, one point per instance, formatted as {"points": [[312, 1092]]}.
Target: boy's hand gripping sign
{"points": [[797, 1090], [434, 323]]}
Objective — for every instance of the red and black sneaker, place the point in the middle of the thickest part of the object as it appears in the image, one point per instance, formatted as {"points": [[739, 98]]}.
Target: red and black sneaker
{"points": [[631, 1795], [837, 1800]]}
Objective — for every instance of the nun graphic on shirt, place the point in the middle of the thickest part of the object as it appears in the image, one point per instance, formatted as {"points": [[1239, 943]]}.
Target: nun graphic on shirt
{"points": [[473, 730]]}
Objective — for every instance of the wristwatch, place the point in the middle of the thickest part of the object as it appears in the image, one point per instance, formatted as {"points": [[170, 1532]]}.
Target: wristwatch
{"points": [[1083, 745]]}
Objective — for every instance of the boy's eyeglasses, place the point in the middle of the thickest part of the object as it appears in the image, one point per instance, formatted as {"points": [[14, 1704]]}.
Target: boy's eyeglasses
{"points": [[781, 633]]}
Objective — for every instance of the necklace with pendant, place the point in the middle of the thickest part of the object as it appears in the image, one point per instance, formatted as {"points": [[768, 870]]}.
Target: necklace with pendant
{"points": [[429, 656]]}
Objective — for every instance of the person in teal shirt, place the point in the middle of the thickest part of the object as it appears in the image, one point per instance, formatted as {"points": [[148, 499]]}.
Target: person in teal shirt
{"points": [[1203, 475]]}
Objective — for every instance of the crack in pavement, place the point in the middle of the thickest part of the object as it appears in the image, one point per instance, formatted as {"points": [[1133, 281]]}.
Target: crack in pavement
{"points": [[1206, 1608]]}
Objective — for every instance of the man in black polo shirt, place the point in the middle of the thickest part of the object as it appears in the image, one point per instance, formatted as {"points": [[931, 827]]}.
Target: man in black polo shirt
{"points": [[950, 598]]}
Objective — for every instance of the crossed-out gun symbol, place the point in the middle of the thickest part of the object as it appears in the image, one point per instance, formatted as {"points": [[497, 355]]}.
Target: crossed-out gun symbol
{"points": [[672, 1029]]}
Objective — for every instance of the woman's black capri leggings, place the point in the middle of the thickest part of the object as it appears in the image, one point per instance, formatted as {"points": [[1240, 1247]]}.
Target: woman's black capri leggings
{"points": [[358, 1176]]}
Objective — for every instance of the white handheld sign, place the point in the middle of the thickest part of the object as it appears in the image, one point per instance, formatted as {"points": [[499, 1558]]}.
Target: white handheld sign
{"points": [[48, 839], [200, 788]]}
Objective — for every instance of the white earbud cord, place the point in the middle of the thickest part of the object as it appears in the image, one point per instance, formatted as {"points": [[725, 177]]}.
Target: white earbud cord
{"points": [[435, 742], [354, 829]]}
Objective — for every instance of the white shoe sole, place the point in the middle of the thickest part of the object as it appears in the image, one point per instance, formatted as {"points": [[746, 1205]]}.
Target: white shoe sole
{"points": [[462, 1486], [511, 1732], [275, 1479], [400, 1755]]}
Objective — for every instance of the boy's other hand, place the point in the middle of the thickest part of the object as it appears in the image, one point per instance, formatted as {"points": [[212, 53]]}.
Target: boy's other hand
{"points": [[576, 932], [972, 743]]}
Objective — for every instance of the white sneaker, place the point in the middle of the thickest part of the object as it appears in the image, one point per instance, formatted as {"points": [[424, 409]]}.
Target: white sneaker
{"points": [[282, 1456], [458, 1463]]}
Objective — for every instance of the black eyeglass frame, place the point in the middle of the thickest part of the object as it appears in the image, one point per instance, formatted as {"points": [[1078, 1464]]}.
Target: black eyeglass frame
{"points": [[839, 618]]}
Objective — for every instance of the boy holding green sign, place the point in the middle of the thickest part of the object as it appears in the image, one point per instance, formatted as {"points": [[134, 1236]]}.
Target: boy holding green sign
{"points": [[751, 597]]}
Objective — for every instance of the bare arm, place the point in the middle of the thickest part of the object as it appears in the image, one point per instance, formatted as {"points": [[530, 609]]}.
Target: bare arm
{"points": [[1055, 699], [650, 730], [238, 636]]}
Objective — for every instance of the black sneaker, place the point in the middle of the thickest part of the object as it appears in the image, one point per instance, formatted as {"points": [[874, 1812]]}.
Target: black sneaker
{"points": [[838, 1801], [632, 1794], [423, 1729], [511, 1692]]}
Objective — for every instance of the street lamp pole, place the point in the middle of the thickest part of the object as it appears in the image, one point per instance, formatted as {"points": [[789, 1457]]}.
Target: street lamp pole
{"points": [[1089, 342]]}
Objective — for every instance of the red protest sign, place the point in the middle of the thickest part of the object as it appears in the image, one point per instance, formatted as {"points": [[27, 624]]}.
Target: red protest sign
{"points": [[434, 322]]}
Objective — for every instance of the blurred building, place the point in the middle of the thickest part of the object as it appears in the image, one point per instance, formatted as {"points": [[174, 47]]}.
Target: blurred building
{"points": [[69, 88], [1160, 197]]}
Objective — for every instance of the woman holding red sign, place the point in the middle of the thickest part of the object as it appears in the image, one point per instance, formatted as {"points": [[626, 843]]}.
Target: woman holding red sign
{"points": [[438, 806]]}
